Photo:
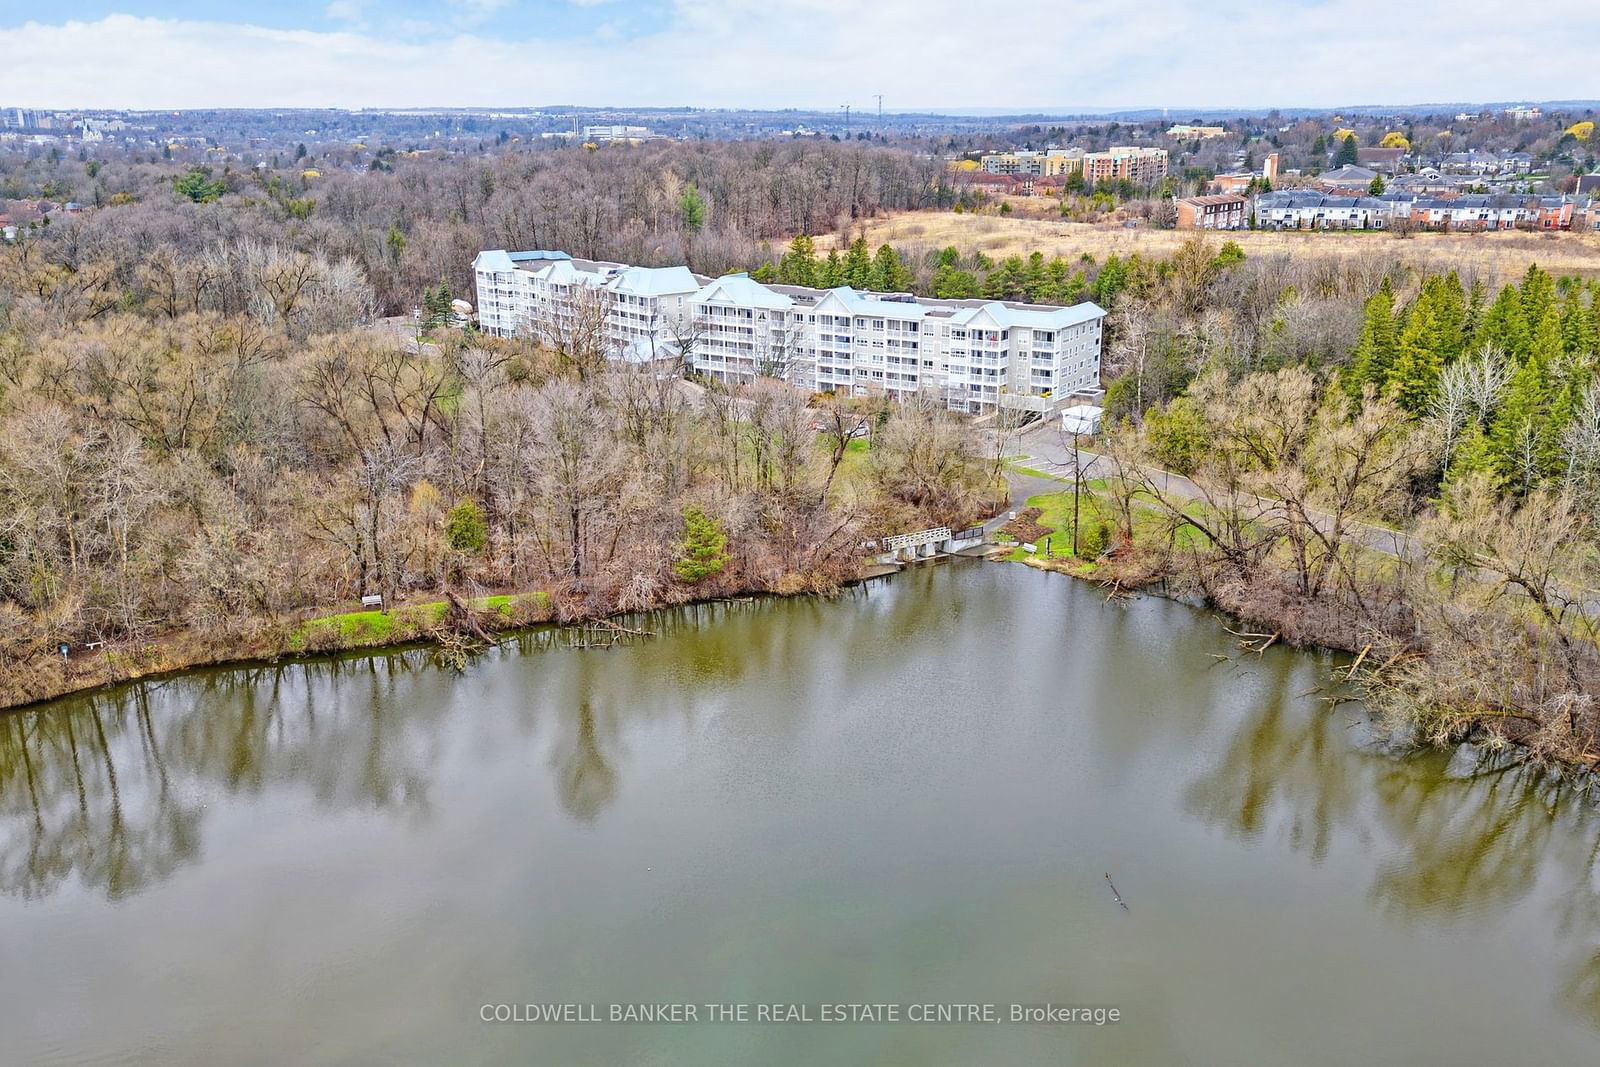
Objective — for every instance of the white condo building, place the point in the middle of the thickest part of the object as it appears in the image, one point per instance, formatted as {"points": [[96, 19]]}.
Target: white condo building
{"points": [[974, 354]]}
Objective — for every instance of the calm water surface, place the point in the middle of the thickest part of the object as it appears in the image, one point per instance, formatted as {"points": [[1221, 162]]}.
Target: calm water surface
{"points": [[908, 795]]}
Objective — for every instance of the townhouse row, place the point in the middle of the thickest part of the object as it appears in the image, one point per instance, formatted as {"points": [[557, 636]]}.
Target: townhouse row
{"points": [[1309, 210], [974, 355]]}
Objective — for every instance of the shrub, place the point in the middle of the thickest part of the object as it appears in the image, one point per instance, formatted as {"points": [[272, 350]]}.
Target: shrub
{"points": [[464, 527], [703, 552]]}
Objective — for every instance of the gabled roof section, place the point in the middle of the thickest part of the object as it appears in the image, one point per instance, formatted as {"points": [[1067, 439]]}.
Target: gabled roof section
{"points": [[497, 261], [653, 281], [741, 290], [856, 302], [1031, 316]]}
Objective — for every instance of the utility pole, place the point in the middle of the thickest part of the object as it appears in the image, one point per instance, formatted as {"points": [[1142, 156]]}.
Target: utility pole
{"points": [[1077, 487]]}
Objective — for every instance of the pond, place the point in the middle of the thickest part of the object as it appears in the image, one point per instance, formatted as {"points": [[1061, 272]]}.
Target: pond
{"points": [[907, 796]]}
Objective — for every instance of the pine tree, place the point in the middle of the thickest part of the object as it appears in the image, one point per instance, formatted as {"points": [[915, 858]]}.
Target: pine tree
{"points": [[1517, 423], [1055, 284], [888, 274], [1418, 362], [831, 274], [1375, 351], [858, 264], [703, 550], [692, 208], [1563, 409], [1548, 346], [1474, 317], [1109, 282], [952, 284], [1348, 152], [1034, 277], [1538, 292], [1473, 455], [1007, 281], [1505, 326], [799, 265], [1577, 328], [1450, 310]]}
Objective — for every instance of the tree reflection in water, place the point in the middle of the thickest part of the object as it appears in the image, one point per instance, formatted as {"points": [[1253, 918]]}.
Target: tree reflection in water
{"points": [[1449, 850], [110, 788]]}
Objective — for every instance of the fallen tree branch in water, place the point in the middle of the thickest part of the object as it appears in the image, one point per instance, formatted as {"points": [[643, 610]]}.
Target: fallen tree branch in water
{"points": [[1116, 894]]}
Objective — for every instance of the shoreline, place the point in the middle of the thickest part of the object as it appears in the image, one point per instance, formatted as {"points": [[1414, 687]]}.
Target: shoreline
{"points": [[1490, 753], [177, 658], [1511, 753]]}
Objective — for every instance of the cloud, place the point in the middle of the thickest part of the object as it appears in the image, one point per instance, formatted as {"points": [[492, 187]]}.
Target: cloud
{"points": [[479, 8], [346, 10], [823, 53]]}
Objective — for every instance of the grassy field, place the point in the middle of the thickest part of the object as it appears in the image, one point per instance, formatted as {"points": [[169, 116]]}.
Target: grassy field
{"points": [[1499, 256]]}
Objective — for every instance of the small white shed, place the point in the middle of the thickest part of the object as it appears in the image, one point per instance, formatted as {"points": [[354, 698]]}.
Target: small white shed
{"points": [[1081, 419]]}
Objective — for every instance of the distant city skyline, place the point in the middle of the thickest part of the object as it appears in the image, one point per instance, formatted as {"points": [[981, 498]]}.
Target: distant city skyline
{"points": [[923, 55]]}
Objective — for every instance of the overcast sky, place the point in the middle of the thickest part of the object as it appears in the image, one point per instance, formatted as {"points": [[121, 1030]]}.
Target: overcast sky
{"points": [[920, 54]]}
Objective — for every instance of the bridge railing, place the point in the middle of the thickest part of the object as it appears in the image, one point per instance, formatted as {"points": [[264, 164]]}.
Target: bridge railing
{"points": [[896, 542]]}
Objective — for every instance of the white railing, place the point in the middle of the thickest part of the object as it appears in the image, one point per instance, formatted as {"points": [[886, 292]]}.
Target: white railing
{"points": [[896, 542]]}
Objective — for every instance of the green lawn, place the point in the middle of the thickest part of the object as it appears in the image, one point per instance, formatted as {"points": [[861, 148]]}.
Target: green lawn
{"points": [[1057, 515], [359, 628]]}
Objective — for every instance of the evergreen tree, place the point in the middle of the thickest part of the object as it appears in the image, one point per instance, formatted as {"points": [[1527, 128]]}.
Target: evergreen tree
{"points": [[1577, 328], [1418, 362], [1538, 292], [952, 284], [464, 527], [799, 265], [692, 208], [1449, 303], [1515, 433], [1110, 281], [1473, 454], [1348, 152], [888, 274], [1564, 408], [858, 264], [831, 275], [1055, 283], [703, 551], [1034, 277], [1007, 281], [1548, 346], [1375, 351], [1505, 326], [1474, 318], [436, 309]]}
